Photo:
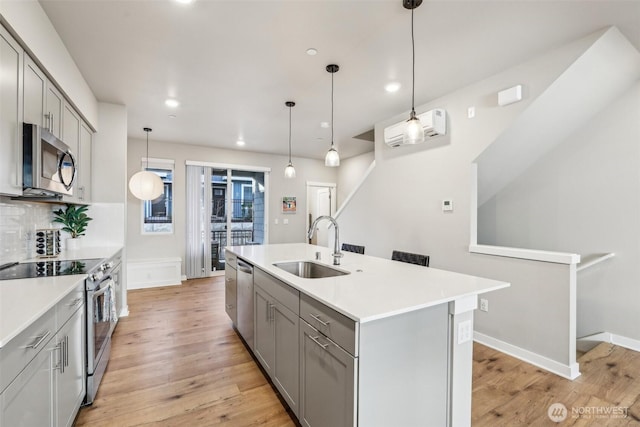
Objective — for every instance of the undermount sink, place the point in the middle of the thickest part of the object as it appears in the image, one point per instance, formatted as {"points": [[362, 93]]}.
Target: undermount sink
{"points": [[309, 269]]}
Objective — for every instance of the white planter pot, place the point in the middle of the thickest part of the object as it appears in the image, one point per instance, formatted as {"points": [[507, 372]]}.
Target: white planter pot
{"points": [[73, 244]]}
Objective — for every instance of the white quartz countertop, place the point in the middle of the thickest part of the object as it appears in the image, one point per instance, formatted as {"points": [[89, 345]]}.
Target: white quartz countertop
{"points": [[23, 301], [375, 289]]}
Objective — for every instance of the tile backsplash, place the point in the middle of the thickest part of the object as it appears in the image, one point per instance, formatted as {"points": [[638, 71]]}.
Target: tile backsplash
{"points": [[18, 223]]}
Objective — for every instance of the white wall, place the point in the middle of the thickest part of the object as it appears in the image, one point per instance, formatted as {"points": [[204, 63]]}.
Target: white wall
{"points": [[161, 246], [30, 24], [408, 184], [350, 174], [584, 197]]}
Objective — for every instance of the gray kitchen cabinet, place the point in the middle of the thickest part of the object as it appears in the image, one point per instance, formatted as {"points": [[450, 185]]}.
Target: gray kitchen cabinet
{"points": [[29, 399], [43, 103], [276, 336], [35, 89], [231, 293], [71, 136], [71, 384], [11, 58], [83, 187], [43, 368], [328, 378]]}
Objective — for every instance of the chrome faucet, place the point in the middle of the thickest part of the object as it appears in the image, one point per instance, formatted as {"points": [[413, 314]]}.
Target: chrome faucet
{"points": [[336, 248]]}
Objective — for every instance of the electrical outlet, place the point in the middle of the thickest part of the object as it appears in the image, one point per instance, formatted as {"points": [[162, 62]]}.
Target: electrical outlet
{"points": [[484, 304], [464, 331]]}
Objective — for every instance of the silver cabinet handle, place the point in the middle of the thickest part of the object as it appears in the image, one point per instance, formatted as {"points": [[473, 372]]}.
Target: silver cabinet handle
{"points": [[229, 279], [317, 318], [273, 314], [229, 306], [39, 340], [58, 348], [268, 311], [315, 340]]}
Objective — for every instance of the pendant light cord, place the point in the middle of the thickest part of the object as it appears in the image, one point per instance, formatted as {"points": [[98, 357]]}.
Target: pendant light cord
{"points": [[147, 168], [289, 134], [413, 71], [332, 109]]}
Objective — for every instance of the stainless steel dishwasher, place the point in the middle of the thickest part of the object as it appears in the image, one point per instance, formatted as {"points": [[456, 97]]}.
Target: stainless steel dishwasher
{"points": [[245, 301]]}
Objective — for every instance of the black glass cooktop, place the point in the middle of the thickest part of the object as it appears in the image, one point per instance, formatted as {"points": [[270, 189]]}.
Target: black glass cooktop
{"points": [[48, 268]]}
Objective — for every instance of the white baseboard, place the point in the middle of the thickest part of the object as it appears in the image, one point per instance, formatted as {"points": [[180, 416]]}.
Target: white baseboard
{"points": [[151, 273], [566, 371], [630, 343]]}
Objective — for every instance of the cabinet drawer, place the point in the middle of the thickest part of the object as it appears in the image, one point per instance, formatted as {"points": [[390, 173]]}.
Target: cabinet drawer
{"points": [[334, 325], [230, 259], [285, 294], [70, 303], [23, 348]]}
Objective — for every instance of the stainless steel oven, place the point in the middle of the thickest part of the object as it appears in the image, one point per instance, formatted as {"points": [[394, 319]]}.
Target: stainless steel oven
{"points": [[102, 318]]}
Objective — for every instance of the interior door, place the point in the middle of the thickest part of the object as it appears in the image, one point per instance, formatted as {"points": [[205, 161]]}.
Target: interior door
{"points": [[323, 205]]}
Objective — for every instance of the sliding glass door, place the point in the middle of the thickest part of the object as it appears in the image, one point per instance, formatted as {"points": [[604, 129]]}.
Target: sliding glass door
{"points": [[233, 201]]}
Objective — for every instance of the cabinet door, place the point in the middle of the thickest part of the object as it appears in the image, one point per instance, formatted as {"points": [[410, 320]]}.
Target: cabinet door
{"points": [[11, 56], [71, 374], [34, 90], [327, 381], [264, 347], [231, 294], [29, 400], [84, 168], [71, 137], [286, 372], [53, 115]]}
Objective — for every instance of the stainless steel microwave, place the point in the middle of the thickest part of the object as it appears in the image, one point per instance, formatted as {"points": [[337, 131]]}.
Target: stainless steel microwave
{"points": [[48, 165]]}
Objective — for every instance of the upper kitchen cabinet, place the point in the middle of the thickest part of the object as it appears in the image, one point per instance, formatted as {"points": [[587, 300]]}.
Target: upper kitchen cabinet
{"points": [[11, 58], [83, 187], [43, 102]]}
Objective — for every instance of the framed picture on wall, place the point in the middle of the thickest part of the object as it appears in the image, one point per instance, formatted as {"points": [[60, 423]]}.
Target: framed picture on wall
{"points": [[289, 205]]}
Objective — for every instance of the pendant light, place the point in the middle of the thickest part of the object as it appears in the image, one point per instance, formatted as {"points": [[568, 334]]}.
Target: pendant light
{"points": [[146, 185], [332, 159], [290, 171], [413, 131]]}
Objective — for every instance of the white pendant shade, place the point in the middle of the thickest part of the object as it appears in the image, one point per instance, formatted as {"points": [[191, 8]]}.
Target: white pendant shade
{"points": [[146, 185], [289, 171], [413, 131], [332, 159]]}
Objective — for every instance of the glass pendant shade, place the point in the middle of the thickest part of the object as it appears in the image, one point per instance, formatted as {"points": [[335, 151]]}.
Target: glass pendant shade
{"points": [[289, 171], [332, 159], [145, 185], [413, 131]]}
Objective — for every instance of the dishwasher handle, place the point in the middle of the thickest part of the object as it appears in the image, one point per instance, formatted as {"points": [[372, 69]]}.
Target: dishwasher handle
{"points": [[245, 267]]}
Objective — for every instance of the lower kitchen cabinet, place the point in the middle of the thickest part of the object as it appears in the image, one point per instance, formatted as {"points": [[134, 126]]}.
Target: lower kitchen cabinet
{"points": [[276, 344], [50, 383], [70, 373], [328, 378], [231, 293]]}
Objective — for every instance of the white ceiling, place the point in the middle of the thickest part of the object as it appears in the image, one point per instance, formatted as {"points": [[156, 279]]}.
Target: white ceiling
{"points": [[233, 64]]}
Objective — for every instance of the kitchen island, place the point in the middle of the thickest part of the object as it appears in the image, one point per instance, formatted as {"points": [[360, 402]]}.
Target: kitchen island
{"points": [[386, 344]]}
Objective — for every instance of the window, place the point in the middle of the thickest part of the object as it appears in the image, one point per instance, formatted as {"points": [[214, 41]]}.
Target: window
{"points": [[157, 215]]}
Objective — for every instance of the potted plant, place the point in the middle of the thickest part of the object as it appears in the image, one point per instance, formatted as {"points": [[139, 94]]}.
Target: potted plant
{"points": [[74, 219]]}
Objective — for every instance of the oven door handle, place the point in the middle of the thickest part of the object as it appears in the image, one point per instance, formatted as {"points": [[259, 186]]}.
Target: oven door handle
{"points": [[103, 290]]}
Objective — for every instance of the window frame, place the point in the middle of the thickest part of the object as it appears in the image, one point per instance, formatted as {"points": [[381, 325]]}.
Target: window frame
{"points": [[162, 164]]}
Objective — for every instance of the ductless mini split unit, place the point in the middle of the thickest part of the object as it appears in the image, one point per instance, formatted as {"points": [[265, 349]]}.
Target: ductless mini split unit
{"points": [[434, 123]]}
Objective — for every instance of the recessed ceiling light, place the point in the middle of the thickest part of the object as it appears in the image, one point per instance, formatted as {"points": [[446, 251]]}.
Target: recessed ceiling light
{"points": [[312, 51], [240, 143], [392, 87], [324, 125], [171, 103], [185, 1], [172, 116]]}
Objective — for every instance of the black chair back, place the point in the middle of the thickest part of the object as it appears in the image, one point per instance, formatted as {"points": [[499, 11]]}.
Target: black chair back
{"points": [[353, 248], [410, 258]]}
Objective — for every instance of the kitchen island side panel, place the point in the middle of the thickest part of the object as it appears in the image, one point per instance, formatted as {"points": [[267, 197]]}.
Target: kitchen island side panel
{"points": [[403, 374]]}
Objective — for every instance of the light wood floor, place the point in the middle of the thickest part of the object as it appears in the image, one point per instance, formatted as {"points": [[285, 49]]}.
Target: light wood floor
{"points": [[176, 361]]}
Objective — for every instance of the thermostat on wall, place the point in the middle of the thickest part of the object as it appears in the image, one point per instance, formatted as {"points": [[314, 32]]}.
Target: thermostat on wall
{"points": [[447, 205]]}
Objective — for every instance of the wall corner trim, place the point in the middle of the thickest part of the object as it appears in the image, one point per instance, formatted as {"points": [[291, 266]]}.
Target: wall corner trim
{"points": [[530, 254]]}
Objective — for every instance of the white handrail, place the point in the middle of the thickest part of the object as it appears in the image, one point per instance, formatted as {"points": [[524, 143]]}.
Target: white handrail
{"points": [[593, 259]]}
